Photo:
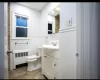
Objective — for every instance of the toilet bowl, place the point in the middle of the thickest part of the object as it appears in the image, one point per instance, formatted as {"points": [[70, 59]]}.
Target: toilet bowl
{"points": [[32, 62]]}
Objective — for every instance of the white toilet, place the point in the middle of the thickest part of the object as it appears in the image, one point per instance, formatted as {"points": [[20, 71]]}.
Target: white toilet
{"points": [[32, 62]]}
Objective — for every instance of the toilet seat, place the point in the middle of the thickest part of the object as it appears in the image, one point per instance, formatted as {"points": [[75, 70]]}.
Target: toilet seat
{"points": [[31, 58]]}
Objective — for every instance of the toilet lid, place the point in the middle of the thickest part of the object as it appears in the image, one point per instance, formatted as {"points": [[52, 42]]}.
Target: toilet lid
{"points": [[32, 57]]}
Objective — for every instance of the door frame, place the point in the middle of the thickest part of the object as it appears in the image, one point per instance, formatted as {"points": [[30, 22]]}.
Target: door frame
{"points": [[3, 41]]}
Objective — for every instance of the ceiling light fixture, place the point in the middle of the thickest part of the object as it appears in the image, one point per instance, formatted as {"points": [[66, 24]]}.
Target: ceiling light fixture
{"points": [[52, 12], [58, 9]]}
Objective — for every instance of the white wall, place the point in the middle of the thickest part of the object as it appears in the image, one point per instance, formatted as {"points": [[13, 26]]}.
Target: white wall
{"points": [[67, 10], [50, 18], [34, 29], [44, 19], [67, 42]]}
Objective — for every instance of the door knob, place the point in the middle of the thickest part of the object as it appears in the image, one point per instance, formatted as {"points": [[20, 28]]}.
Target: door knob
{"points": [[77, 54]]}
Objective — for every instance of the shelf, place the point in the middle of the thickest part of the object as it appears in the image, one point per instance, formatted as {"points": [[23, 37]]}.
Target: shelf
{"points": [[20, 39]]}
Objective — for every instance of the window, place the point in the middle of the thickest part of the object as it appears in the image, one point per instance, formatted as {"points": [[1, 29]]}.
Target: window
{"points": [[49, 28], [21, 26], [21, 32]]}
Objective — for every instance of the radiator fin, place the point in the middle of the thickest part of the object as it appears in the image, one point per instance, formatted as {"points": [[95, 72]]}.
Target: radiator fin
{"points": [[21, 54]]}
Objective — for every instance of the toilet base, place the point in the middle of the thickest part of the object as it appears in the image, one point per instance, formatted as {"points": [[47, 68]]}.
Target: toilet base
{"points": [[33, 66]]}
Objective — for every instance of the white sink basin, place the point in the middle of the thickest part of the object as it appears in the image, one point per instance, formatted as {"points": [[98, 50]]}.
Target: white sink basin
{"points": [[50, 47]]}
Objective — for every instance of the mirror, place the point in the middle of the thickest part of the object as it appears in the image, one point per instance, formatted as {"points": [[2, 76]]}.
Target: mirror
{"points": [[54, 20]]}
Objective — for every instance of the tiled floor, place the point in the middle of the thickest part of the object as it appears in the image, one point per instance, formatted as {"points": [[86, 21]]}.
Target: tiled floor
{"points": [[22, 73]]}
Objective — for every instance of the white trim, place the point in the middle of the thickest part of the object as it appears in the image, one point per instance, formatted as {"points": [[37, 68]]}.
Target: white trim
{"points": [[24, 50], [17, 14], [69, 27], [21, 27], [68, 30]]}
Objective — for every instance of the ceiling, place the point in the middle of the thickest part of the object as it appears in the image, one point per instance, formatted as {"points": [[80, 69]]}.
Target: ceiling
{"points": [[34, 5]]}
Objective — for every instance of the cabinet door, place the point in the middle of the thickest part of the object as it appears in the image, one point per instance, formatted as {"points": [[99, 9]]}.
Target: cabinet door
{"points": [[44, 65], [49, 66]]}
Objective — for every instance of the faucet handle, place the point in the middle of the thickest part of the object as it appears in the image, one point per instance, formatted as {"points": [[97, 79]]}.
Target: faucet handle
{"points": [[54, 43]]}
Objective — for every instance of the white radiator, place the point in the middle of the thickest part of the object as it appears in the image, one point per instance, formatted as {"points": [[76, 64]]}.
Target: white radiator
{"points": [[20, 56]]}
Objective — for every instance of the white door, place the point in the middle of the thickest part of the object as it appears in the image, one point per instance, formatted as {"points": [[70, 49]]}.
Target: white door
{"points": [[68, 55], [5, 39]]}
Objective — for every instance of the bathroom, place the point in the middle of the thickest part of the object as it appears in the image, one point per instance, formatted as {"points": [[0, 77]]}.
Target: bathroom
{"points": [[45, 25], [30, 47]]}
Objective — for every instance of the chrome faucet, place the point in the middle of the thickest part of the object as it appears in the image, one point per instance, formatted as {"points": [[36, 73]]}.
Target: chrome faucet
{"points": [[54, 44]]}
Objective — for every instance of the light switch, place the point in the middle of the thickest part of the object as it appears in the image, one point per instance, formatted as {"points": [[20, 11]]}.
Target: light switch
{"points": [[70, 21]]}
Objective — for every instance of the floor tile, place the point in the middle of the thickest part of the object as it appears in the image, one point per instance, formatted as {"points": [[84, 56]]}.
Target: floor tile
{"points": [[22, 73]]}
